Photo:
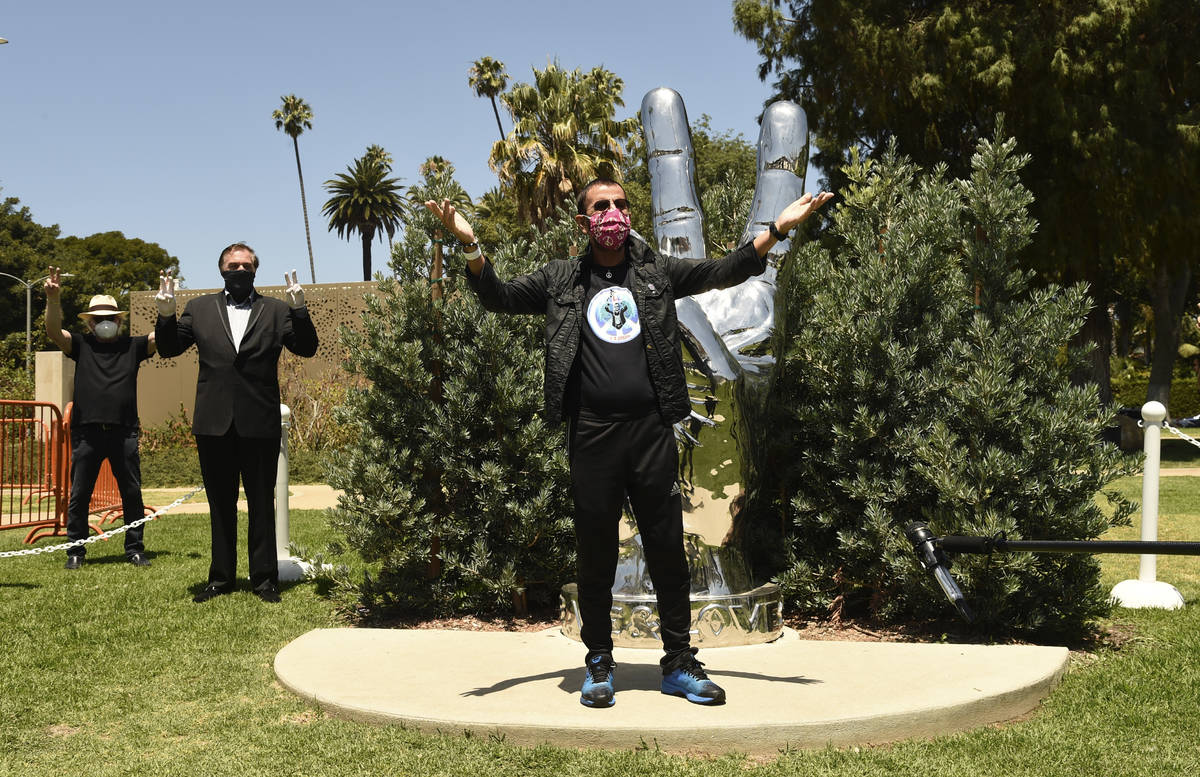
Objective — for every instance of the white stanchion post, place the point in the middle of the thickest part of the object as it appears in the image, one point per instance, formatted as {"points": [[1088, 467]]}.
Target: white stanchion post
{"points": [[1147, 590], [290, 567]]}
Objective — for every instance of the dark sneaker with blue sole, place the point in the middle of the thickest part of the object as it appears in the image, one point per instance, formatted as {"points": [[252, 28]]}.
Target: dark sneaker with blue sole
{"points": [[688, 680], [597, 690]]}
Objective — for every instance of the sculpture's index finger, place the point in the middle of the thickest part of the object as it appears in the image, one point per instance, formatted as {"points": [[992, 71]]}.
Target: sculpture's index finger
{"points": [[678, 220]]}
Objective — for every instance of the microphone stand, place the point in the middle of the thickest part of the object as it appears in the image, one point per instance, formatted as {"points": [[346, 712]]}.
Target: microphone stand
{"points": [[931, 552]]}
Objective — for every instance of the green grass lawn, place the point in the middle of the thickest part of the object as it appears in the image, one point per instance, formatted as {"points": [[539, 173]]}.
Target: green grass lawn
{"points": [[113, 670]]}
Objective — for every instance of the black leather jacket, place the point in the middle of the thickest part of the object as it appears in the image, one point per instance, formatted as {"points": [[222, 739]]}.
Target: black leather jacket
{"points": [[557, 290]]}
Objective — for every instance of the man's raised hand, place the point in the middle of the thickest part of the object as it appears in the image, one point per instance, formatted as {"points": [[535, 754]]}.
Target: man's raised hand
{"points": [[165, 298], [52, 286], [452, 220], [295, 294], [799, 210]]}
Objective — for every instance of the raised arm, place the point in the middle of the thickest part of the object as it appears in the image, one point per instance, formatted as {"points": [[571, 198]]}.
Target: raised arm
{"points": [[300, 336], [526, 294], [172, 336], [695, 276], [458, 226], [54, 330]]}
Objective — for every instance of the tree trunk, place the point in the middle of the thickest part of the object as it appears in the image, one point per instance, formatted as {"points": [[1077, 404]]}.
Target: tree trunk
{"points": [[367, 237], [435, 271], [312, 265], [1168, 292], [1097, 333], [431, 475], [496, 111], [1124, 313]]}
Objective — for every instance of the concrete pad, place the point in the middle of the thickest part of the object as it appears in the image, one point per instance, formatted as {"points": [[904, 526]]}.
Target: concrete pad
{"points": [[790, 693]]}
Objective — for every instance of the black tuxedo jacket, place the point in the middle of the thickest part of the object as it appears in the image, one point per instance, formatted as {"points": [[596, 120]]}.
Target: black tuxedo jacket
{"points": [[238, 388]]}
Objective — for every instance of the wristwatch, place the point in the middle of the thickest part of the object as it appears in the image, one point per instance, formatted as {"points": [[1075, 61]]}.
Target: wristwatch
{"points": [[471, 251], [775, 233]]}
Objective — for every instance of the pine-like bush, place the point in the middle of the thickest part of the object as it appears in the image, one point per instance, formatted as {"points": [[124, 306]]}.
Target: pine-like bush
{"points": [[919, 376], [455, 485]]}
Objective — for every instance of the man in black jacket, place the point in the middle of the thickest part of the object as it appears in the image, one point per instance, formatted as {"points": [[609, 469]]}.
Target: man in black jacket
{"points": [[238, 335], [615, 372]]}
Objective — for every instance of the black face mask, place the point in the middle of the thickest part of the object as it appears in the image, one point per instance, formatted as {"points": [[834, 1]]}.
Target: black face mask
{"points": [[239, 284]]}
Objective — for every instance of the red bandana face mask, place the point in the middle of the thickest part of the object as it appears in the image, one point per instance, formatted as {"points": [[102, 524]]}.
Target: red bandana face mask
{"points": [[610, 228]]}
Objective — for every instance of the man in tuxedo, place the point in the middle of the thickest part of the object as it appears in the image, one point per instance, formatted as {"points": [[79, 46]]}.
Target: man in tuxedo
{"points": [[238, 335]]}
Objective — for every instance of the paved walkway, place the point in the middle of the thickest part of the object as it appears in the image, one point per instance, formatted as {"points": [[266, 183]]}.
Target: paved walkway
{"points": [[314, 496], [318, 496], [790, 693]]}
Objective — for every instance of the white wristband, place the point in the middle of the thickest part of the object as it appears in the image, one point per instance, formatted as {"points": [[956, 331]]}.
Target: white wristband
{"points": [[473, 255]]}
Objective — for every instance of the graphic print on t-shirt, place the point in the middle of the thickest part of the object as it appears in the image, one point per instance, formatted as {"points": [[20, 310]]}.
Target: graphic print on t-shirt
{"points": [[613, 315]]}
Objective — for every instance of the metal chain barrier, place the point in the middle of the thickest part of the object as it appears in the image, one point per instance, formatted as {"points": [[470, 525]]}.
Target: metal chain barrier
{"points": [[104, 535], [1177, 433]]}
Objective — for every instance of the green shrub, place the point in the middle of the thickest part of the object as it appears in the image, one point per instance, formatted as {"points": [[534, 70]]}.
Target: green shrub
{"points": [[306, 466], [175, 433], [455, 486], [15, 383], [170, 468], [1130, 390], [919, 377], [179, 467], [313, 402]]}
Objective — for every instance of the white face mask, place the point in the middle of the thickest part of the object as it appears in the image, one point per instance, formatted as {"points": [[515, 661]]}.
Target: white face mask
{"points": [[107, 330]]}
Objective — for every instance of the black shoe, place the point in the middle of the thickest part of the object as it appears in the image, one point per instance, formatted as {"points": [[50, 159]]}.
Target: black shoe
{"points": [[139, 560], [268, 594], [73, 562], [210, 592]]}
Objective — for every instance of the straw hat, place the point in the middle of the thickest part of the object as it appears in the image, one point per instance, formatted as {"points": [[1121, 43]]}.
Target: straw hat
{"points": [[101, 305]]}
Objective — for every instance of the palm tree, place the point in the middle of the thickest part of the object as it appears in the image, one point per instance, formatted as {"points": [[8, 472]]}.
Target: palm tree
{"points": [[293, 117], [366, 201], [564, 135], [487, 78], [379, 154]]}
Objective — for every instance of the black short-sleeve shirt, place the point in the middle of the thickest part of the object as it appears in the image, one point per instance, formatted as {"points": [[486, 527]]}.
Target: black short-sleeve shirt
{"points": [[106, 379], [611, 378]]}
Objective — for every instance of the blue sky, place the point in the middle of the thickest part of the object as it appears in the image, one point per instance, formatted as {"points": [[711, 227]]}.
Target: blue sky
{"points": [[154, 118]]}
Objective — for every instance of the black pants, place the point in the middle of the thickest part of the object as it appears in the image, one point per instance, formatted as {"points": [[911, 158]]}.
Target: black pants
{"points": [[254, 460], [91, 444], [610, 459]]}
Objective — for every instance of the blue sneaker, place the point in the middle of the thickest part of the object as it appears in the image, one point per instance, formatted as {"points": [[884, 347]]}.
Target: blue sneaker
{"points": [[688, 680], [597, 690]]}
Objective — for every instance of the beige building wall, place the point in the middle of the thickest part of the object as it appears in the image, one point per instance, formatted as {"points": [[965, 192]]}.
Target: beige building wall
{"points": [[166, 384], [54, 378]]}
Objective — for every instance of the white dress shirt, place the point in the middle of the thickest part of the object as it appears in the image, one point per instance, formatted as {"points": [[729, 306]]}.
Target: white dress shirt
{"points": [[239, 318]]}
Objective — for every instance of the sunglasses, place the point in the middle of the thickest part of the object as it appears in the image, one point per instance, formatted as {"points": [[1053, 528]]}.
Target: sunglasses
{"points": [[599, 206]]}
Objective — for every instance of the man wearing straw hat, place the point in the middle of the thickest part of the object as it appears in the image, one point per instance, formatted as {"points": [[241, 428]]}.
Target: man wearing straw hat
{"points": [[104, 420]]}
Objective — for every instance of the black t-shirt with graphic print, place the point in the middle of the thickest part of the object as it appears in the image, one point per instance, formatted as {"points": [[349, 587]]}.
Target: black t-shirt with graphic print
{"points": [[610, 379]]}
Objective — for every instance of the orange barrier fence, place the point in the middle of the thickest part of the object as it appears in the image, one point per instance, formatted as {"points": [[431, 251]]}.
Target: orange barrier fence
{"points": [[35, 472], [34, 468]]}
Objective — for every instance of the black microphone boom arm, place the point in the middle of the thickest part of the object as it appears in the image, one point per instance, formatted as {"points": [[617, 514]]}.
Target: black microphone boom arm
{"points": [[931, 552]]}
